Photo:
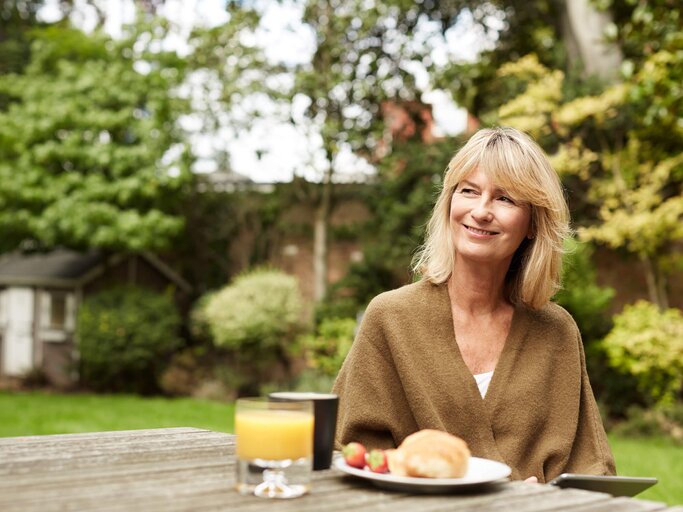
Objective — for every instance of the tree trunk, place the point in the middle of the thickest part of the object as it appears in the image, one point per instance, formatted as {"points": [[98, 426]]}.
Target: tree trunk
{"points": [[322, 218], [663, 299], [583, 30], [656, 283]]}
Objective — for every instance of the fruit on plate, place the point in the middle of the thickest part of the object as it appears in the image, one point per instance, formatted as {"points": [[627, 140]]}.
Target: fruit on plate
{"points": [[354, 455], [377, 461]]}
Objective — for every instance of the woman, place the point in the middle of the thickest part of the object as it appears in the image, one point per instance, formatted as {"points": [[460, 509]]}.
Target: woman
{"points": [[476, 348]]}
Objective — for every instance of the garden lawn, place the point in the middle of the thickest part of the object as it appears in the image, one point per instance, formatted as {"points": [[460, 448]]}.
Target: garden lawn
{"points": [[24, 414], [660, 458], [44, 413]]}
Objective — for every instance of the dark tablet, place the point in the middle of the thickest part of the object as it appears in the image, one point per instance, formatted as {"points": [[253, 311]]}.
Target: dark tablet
{"points": [[614, 485]]}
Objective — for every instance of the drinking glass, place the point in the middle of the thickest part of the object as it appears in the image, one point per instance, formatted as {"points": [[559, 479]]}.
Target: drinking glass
{"points": [[274, 447], [325, 407]]}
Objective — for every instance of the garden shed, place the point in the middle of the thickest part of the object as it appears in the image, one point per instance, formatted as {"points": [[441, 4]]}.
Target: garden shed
{"points": [[39, 298]]}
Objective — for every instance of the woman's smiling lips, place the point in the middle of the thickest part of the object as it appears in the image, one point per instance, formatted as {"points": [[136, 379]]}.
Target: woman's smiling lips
{"points": [[479, 232]]}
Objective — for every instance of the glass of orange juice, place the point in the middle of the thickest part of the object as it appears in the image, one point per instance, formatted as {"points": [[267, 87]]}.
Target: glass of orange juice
{"points": [[274, 447]]}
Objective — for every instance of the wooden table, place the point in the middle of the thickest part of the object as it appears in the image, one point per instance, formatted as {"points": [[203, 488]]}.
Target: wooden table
{"points": [[191, 469]]}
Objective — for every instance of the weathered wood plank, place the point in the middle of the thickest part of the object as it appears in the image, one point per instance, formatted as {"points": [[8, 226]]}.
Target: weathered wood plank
{"points": [[622, 505], [335, 500], [63, 443], [138, 469], [188, 469], [507, 495], [28, 470], [62, 456], [118, 495], [28, 450], [111, 434], [104, 484], [567, 498]]}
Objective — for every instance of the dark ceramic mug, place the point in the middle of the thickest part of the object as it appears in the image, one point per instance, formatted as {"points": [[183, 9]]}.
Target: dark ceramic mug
{"points": [[325, 407]]}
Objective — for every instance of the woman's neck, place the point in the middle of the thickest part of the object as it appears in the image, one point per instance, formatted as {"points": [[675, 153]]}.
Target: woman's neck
{"points": [[477, 289]]}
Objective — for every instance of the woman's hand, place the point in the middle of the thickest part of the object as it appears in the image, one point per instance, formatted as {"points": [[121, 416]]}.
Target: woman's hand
{"points": [[532, 480]]}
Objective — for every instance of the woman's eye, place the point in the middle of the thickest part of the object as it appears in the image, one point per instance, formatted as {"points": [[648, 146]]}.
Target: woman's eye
{"points": [[467, 191], [506, 199]]}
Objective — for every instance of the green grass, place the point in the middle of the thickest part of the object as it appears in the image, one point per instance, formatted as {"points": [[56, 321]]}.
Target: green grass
{"points": [[44, 413], [660, 458]]}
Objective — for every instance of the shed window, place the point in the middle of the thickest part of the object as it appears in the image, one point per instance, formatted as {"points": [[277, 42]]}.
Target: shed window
{"points": [[57, 310]]}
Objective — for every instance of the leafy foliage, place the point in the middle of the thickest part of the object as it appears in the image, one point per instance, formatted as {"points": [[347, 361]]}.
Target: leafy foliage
{"points": [[227, 70], [519, 27], [659, 421], [400, 203], [255, 321], [260, 310], [81, 163], [630, 176], [580, 294], [648, 344], [326, 350], [17, 19], [589, 305], [124, 336], [361, 62]]}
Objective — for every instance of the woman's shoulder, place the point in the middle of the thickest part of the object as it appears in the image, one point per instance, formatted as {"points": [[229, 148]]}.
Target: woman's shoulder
{"points": [[414, 309], [414, 295], [553, 317]]}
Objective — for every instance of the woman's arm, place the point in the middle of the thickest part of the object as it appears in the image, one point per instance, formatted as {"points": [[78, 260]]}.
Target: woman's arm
{"points": [[591, 453], [372, 406]]}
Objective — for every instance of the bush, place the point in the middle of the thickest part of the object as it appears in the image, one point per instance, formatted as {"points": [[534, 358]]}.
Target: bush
{"points": [[648, 344], [580, 295], [255, 321], [326, 350], [312, 381], [661, 421], [185, 372], [588, 304], [260, 310], [35, 378], [202, 372], [124, 336]]}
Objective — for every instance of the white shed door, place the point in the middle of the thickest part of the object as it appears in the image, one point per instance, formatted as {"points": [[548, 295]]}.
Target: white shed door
{"points": [[18, 339]]}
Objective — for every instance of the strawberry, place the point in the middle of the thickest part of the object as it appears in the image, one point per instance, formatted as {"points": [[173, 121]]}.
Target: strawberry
{"points": [[354, 455], [377, 461]]}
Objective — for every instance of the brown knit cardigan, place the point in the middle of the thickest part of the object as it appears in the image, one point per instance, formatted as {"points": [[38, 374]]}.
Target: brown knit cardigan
{"points": [[405, 373]]}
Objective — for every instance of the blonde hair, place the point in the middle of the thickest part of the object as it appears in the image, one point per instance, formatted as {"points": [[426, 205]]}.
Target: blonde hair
{"points": [[514, 162]]}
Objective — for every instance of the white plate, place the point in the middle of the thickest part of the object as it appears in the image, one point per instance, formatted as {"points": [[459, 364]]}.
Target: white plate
{"points": [[479, 472]]}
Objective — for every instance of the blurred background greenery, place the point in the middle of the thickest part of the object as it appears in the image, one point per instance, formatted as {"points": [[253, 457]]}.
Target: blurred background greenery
{"points": [[97, 154]]}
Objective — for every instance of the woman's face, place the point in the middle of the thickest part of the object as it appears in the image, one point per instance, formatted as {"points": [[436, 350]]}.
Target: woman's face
{"points": [[488, 225]]}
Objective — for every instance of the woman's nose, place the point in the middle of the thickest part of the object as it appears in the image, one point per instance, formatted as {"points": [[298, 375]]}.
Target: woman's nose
{"points": [[482, 210]]}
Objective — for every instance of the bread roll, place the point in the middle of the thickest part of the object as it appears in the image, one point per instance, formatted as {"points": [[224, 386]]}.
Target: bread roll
{"points": [[430, 454]]}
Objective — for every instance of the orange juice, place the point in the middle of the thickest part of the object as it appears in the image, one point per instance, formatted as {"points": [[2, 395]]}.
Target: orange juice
{"points": [[274, 434]]}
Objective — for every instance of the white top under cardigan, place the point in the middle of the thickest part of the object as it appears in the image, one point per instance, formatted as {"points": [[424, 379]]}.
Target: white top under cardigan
{"points": [[483, 381]]}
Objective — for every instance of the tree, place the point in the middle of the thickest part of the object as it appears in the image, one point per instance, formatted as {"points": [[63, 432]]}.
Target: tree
{"points": [[225, 70], [596, 56], [610, 144], [400, 202], [85, 140], [565, 35], [17, 18], [362, 59], [616, 144]]}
